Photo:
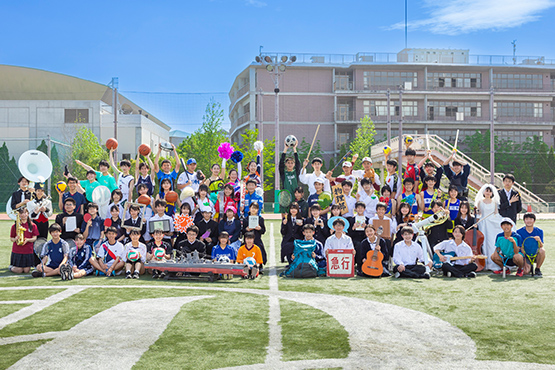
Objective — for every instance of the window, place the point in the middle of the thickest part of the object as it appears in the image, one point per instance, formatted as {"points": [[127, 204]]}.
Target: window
{"points": [[388, 78], [517, 81], [379, 108], [518, 137], [342, 138], [517, 109], [76, 115], [451, 108], [454, 80]]}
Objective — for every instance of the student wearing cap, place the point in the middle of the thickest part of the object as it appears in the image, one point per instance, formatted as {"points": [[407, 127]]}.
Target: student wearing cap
{"points": [[190, 177], [309, 179], [458, 175], [348, 173], [516, 258], [368, 173], [313, 198], [164, 171]]}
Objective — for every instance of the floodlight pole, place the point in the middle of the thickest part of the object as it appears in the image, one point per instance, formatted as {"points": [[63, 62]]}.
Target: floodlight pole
{"points": [[400, 154], [114, 83]]}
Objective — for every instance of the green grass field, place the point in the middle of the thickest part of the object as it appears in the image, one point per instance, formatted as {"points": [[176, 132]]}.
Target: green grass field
{"points": [[509, 319]]}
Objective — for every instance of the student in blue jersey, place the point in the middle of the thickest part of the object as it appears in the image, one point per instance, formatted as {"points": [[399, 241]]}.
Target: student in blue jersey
{"points": [[93, 230], [452, 205], [428, 196], [81, 258], [251, 197], [145, 174], [164, 170], [223, 248], [111, 254], [126, 181], [409, 197], [134, 268], [55, 253], [102, 176], [318, 254], [531, 231]]}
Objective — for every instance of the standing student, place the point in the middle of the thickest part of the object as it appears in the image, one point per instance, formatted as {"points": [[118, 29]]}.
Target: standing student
{"points": [[257, 231], [368, 197], [412, 170], [289, 171], [93, 230], [251, 197], [22, 257], [409, 196], [42, 211], [459, 268], [124, 179], [428, 195], [309, 179], [510, 202], [392, 179], [406, 253], [165, 189], [87, 186], [347, 186], [320, 223], [458, 175], [224, 200], [319, 189], [299, 199], [73, 193], [164, 170], [116, 199], [464, 218], [487, 204], [428, 167], [21, 196], [190, 177], [145, 174], [215, 182], [452, 205], [232, 225], [291, 229], [134, 222], [207, 229]]}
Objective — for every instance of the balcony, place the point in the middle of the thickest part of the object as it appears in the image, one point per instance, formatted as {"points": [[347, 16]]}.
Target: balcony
{"points": [[240, 92], [240, 120], [342, 85]]}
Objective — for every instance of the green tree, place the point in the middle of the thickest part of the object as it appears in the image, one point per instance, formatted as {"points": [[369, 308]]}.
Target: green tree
{"points": [[10, 174], [363, 140], [304, 147], [203, 143], [86, 148], [246, 147]]}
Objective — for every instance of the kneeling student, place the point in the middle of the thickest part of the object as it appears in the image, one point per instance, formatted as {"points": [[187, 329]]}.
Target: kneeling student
{"points": [[405, 255], [54, 255], [110, 255], [135, 266], [372, 243], [531, 231], [249, 249], [459, 268]]}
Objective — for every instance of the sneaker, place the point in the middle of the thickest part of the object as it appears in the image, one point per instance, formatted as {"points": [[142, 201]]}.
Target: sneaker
{"points": [[426, 275], [537, 272], [64, 271], [471, 274], [448, 274], [36, 274], [520, 273], [136, 275], [70, 275], [163, 275], [397, 275], [498, 272], [128, 275], [155, 274]]}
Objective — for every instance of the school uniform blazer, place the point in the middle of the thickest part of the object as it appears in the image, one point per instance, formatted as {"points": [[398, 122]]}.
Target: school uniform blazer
{"points": [[211, 225], [257, 233], [291, 231], [512, 209], [365, 247]]}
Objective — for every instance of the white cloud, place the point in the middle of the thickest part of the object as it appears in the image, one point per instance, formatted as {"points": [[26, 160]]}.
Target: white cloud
{"points": [[463, 16], [256, 3]]}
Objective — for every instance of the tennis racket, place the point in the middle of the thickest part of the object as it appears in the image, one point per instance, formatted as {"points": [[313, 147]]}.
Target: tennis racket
{"points": [[284, 198], [530, 248], [505, 249]]}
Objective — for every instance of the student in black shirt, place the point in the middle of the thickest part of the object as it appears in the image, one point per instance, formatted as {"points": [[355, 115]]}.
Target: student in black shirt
{"points": [[61, 219], [206, 225], [192, 243]]}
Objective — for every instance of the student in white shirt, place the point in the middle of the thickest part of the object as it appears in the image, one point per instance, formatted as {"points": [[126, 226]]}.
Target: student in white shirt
{"points": [[309, 179], [368, 197], [339, 240], [405, 256], [160, 208], [459, 268], [347, 186]]}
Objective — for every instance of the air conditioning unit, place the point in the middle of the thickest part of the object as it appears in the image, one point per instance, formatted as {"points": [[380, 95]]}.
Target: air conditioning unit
{"points": [[408, 85], [459, 116]]}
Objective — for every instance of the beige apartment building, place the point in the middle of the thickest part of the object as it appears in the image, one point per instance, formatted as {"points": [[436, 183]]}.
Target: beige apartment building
{"points": [[442, 91]]}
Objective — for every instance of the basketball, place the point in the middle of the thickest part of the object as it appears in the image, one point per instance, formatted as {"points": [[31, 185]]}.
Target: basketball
{"points": [[159, 253], [144, 149], [408, 140], [144, 199], [290, 140], [61, 186], [386, 150], [111, 143], [171, 197], [133, 256]]}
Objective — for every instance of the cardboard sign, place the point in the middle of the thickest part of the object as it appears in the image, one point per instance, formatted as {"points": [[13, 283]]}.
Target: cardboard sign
{"points": [[340, 263], [384, 224], [339, 198]]}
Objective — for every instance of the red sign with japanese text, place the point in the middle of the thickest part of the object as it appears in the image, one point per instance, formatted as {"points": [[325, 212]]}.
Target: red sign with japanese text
{"points": [[341, 262]]}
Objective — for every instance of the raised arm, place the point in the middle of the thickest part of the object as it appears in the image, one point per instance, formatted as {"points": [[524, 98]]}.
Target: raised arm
{"points": [[152, 170], [177, 162], [157, 160], [85, 166], [423, 160], [112, 162], [137, 163]]}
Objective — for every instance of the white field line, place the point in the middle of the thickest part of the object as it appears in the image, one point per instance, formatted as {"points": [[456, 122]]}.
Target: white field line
{"points": [[274, 344]]}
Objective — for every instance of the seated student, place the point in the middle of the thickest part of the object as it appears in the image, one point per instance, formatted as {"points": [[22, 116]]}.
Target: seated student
{"points": [[347, 186], [134, 221], [409, 197], [258, 231], [116, 199], [339, 240], [357, 224], [23, 195], [73, 193], [111, 254], [191, 244], [438, 233], [380, 216], [515, 256], [388, 200], [318, 189], [299, 199], [134, 268], [405, 255], [251, 197], [42, 211], [115, 222], [320, 223], [223, 248], [81, 258], [22, 258], [318, 254], [160, 208], [464, 218], [291, 229], [178, 235], [371, 243], [368, 197], [459, 268], [63, 218], [531, 231], [55, 253], [249, 249], [93, 230], [232, 225], [156, 243], [207, 229]]}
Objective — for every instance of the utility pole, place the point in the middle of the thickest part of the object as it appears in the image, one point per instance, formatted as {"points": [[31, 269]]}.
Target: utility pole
{"points": [[400, 154], [115, 83], [491, 139]]}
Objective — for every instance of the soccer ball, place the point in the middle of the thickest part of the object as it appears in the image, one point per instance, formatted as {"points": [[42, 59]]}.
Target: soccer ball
{"points": [[159, 253], [224, 259], [290, 140], [133, 256], [386, 150], [250, 261], [408, 140]]}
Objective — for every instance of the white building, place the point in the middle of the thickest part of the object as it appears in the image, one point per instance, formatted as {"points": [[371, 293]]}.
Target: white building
{"points": [[36, 103]]}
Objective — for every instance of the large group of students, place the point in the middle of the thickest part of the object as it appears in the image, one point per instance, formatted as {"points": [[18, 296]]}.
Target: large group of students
{"points": [[84, 241]]}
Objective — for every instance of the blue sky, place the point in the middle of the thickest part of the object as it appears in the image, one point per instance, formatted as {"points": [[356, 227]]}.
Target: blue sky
{"points": [[198, 47]]}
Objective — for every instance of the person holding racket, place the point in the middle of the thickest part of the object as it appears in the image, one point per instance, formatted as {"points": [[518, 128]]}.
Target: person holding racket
{"points": [[289, 170], [507, 249], [532, 244], [93, 225]]}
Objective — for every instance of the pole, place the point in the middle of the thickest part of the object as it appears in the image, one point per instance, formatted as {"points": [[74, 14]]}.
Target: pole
{"points": [[276, 159], [49, 152], [115, 109], [260, 135], [400, 154], [388, 119], [491, 139], [406, 17]]}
